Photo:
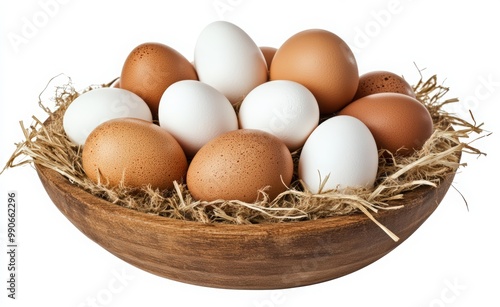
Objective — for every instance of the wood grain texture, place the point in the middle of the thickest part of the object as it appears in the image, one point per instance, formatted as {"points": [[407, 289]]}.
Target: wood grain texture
{"points": [[264, 256]]}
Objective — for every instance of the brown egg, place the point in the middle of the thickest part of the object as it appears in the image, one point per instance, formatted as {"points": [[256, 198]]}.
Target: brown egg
{"points": [[137, 151], [268, 53], [116, 84], [399, 123], [322, 62], [150, 68], [235, 165], [382, 82]]}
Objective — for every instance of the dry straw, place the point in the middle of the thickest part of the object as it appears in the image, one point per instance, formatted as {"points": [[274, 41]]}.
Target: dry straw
{"points": [[46, 144]]}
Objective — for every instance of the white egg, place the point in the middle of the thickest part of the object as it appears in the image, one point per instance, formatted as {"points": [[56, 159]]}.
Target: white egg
{"points": [[94, 107], [227, 58], [283, 108], [194, 113], [343, 149]]}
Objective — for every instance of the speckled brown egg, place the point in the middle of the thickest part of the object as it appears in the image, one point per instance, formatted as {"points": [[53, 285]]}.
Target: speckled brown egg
{"points": [[150, 68], [322, 62], [237, 164], [382, 82], [135, 151], [268, 53], [399, 123]]}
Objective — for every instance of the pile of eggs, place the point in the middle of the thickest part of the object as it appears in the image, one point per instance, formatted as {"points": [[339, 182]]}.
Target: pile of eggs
{"points": [[228, 123]]}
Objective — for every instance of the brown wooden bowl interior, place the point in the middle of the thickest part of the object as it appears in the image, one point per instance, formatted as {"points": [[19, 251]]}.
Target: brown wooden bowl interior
{"points": [[262, 256]]}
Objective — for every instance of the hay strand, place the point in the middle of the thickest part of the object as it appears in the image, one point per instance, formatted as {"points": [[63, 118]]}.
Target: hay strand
{"points": [[47, 145]]}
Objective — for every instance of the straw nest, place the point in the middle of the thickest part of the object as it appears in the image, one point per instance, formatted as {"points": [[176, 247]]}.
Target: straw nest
{"points": [[46, 144]]}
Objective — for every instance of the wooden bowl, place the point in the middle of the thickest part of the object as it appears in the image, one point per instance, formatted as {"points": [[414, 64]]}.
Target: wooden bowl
{"points": [[263, 256]]}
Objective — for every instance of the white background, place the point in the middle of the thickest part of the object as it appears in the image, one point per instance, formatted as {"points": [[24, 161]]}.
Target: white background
{"points": [[452, 260]]}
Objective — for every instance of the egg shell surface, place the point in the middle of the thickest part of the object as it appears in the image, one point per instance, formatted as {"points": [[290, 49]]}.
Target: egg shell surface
{"points": [[237, 164], [342, 149], [399, 123], [150, 68], [194, 113], [135, 151], [283, 108], [382, 82], [268, 53], [321, 61], [94, 107], [228, 59]]}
